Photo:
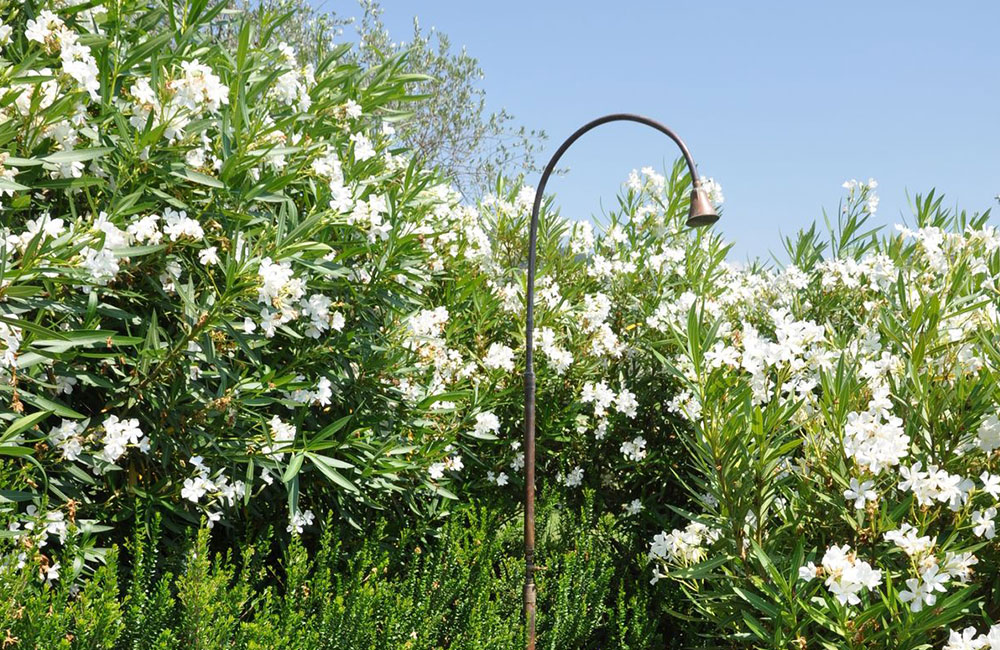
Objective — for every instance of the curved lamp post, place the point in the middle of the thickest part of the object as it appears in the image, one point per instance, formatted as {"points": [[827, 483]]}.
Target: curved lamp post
{"points": [[702, 213]]}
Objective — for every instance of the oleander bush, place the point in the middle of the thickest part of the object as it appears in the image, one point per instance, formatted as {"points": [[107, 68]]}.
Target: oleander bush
{"points": [[229, 294], [842, 440], [459, 591]]}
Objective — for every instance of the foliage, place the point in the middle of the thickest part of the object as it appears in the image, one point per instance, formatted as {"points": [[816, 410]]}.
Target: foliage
{"points": [[230, 295], [209, 257], [460, 591], [454, 130], [842, 435]]}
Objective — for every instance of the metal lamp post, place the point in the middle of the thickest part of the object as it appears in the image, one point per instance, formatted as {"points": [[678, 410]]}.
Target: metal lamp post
{"points": [[701, 213]]}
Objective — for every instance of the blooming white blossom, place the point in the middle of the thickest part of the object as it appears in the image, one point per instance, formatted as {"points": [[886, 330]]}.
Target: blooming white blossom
{"points": [[860, 493], [875, 440], [102, 265], [67, 436], [848, 576], [634, 507], [299, 520], [176, 224], [600, 395], [574, 478], [908, 538], [923, 590], [487, 425], [983, 524], [683, 546], [195, 488], [363, 147], [499, 357], [208, 256], [118, 434], [988, 434], [282, 433], [991, 484], [634, 450]]}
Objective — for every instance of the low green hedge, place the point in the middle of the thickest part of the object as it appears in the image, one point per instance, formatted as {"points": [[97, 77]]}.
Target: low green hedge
{"points": [[461, 590]]}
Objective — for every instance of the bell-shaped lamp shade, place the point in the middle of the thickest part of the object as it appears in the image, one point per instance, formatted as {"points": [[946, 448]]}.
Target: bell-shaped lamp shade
{"points": [[702, 211]]}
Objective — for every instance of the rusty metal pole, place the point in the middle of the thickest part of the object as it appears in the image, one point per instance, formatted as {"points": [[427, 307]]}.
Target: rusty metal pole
{"points": [[701, 213]]}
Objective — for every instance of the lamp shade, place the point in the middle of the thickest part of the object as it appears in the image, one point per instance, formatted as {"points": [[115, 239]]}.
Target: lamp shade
{"points": [[702, 211]]}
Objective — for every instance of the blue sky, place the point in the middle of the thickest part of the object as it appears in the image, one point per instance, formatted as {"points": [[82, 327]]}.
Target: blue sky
{"points": [[780, 102]]}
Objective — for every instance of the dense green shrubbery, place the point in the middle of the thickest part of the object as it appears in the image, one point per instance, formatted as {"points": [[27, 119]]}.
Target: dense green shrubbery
{"points": [[461, 591], [227, 294], [843, 435]]}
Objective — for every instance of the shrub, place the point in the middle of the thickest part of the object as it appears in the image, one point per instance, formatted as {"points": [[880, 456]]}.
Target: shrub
{"points": [[842, 434], [210, 259], [228, 294], [460, 591]]}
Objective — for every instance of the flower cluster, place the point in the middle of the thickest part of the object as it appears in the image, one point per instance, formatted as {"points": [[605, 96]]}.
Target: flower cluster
{"points": [[846, 575]]}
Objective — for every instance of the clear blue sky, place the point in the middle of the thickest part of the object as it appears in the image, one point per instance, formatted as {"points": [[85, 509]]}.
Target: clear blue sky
{"points": [[780, 102]]}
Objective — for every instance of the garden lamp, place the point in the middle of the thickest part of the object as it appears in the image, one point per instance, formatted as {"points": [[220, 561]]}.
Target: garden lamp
{"points": [[701, 213]]}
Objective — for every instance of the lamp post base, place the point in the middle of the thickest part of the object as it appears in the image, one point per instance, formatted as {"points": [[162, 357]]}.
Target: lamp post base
{"points": [[529, 613]]}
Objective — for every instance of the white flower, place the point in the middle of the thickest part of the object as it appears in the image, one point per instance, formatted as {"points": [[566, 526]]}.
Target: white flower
{"points": [[323, 392], [988, 434], [684, 547], [67, 437], [50, 573], [634, 507], [808, 572], [199, 88], [44, 27], [352, 109], [574, 478], [101, 265], [278, 286], [582, 240], [499, 356], [559, 358], [907, 538], [922, 591], [626, 403], [991, 484], [487, 425], [208, 256], [967, 640], [363, 148], [875, 440], [282, 433], [983, 524], [860, 493], [436, 470], [500, 479], [118, 434], [714, 190], [317, 310], [299, 520], [599, 395], [195, 488], [146, 230], [178, 225], [847, 576], [634, 450]]}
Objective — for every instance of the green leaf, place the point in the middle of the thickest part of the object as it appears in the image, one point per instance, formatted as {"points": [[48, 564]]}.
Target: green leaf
{"points": [[293, 468], [326, 466], [24, 423], [76, 155], [199, 178]]}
